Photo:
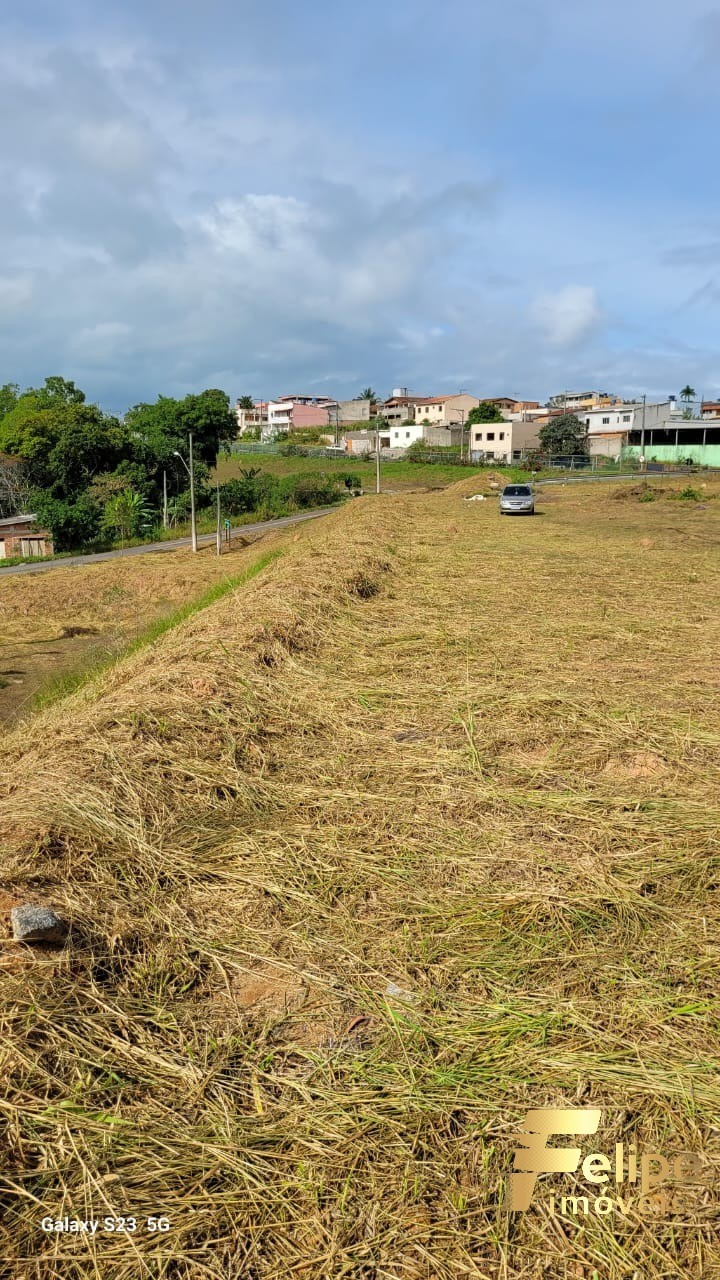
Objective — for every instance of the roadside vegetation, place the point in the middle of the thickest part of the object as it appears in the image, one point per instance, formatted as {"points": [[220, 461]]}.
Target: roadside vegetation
{"points": [[410, 833]]}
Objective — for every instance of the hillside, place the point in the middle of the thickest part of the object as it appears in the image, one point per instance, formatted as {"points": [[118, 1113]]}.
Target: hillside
{"points": [[412, 832]]}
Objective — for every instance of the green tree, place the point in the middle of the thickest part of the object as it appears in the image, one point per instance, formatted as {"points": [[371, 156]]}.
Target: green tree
{"points": [[368, 394], [564, 434], [488, 411], [162, 427], [64, 443], [56, 391], [247, 403], [8, 398], [73, 524], [125, 514], [687, 393]]}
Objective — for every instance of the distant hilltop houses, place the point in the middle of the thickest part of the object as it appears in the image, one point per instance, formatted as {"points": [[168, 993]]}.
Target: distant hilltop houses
{"points": [[502, 428]]}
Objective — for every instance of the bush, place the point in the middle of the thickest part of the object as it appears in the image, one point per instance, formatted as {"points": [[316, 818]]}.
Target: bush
{"points": [[248, 493], [311, 490], [72, 524], [293, 451]]}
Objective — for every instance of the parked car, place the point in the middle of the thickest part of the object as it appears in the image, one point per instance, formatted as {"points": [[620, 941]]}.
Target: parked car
{"points": [[517, 500]]}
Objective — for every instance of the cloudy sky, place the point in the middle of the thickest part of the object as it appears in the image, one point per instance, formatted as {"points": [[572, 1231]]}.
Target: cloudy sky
{"points": [[271, 197]]}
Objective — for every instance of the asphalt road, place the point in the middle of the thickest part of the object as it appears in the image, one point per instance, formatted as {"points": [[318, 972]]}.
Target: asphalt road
{"points": [[263, 526]]}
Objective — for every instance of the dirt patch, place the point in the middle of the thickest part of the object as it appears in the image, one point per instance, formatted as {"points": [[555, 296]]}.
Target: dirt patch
{"points": [[643, 764]]}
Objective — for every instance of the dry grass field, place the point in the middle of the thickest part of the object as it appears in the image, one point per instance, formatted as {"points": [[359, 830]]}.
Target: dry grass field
{"points": [[413, 832], [53, 624]]}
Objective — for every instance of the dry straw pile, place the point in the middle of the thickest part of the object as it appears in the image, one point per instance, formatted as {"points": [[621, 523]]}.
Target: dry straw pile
{"points": [[414, 831]]}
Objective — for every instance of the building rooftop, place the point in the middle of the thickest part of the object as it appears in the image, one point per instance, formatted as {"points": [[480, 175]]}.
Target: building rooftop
{"points": [[17, 520]]}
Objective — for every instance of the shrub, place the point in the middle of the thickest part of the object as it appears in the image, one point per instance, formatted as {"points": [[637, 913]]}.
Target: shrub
{"points": [[292, 451], [312, 490]]}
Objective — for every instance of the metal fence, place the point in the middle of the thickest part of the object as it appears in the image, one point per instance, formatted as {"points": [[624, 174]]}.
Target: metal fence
{"points": [[531, 460]]}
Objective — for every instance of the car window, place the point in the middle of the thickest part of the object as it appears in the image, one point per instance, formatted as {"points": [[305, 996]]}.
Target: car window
{"points": [[517, 491]]}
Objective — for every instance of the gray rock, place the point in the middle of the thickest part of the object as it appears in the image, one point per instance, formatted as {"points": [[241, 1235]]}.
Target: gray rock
{"points": [[37, 924]]}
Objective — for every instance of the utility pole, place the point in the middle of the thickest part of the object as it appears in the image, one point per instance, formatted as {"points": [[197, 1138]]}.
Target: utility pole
{"points": [[377, 455], [165, 506]]}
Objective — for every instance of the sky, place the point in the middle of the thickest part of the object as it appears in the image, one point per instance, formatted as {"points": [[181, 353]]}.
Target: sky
{"points": [[275, 198]]}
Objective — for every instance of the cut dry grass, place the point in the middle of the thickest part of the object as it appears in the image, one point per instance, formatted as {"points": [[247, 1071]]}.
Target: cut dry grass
{"points": [[470, 757], [54, 626]]}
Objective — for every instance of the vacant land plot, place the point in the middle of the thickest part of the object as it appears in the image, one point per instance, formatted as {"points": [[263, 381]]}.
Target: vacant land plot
{"points": [[414, 832], [394, 475], [52, 625]]}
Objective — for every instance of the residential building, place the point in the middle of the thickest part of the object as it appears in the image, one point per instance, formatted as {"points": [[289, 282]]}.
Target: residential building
{"points": [[354, 410], [711, 408], [399, 407], [251, 419], [574, 401], [292, 413], [609, 428], [657, 432], [19, 537], [404, 434], [444, 410], [503, 441], [509, 407]]}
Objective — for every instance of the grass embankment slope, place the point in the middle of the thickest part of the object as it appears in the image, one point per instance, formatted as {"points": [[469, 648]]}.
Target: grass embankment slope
{"points": [[472, 757], [53, 625]]}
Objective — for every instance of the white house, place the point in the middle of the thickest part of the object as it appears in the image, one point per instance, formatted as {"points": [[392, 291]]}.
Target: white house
{"points": [[403, 434]]}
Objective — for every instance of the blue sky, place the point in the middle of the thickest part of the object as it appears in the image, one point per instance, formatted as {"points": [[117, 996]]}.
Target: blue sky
{"points": [[272, 197]]}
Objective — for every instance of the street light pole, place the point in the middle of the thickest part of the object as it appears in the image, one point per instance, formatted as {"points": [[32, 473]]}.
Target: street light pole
{"points": [[193, 526], [218, 539], [191, 473], [642, 435]]}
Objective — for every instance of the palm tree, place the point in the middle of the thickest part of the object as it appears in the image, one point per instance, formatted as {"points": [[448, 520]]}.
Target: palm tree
{"points": [[368, 394], [246, 402], [687, 393]]}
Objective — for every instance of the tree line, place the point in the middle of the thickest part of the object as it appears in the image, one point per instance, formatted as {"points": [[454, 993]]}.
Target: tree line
{"points": [[90, 476]]}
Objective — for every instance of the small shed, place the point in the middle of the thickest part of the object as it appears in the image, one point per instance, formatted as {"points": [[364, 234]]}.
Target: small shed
{"points": [[19, 536]]}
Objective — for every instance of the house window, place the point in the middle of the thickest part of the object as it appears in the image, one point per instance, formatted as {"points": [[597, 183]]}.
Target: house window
{"points": [[478, 437], [501, 435], [396, 434], [606, 422], [626, 417], [490, 435], [407, 435], [489, 453]]}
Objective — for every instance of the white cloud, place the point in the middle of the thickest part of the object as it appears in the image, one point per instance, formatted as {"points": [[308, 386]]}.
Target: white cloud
{"points": [[567, 317]]}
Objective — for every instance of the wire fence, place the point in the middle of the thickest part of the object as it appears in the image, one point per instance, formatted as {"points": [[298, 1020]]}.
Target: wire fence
{"points": [[529, 460]]}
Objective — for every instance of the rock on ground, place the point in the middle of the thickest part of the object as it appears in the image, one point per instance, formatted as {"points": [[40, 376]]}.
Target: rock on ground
{"points": [[37, 924]]}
